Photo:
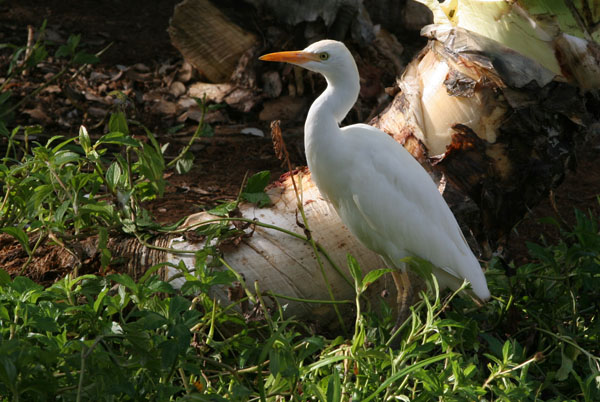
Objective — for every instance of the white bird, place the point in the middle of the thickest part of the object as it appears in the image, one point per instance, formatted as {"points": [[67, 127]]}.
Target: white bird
{"points": [[382, 194]]}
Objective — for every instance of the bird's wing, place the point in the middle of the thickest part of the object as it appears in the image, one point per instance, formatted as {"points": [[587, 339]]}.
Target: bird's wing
{"points": [[394, 207]]}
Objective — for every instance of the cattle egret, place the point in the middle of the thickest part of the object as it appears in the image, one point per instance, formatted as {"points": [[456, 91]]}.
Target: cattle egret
{"points": [[382, 194]]}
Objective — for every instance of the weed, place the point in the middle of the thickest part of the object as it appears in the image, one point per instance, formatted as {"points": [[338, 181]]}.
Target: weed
{"points": [[536, 340]]}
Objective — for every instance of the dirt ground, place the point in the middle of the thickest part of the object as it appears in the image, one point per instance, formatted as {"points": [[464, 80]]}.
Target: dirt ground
{"points": [[142, 53]]}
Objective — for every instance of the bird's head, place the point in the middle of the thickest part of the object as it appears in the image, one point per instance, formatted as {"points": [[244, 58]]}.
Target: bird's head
{"points": [[333, 60], [328, 57]]}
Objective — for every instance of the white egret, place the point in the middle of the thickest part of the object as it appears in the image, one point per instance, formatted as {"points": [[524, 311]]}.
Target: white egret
{"points": [[384, 196]]}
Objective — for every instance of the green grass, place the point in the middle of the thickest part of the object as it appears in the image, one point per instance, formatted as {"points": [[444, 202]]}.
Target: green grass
{"points": [[109, 338]]}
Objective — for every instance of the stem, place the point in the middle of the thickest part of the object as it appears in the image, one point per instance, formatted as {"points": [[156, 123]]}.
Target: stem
{"points": [[264, 306], [211, 330], [196, 134], [590, 356], [10, 141], [130, 182], [65, 189], [30, 257], [500, 373], [240, 279], [5, 199], [297, 299], [312, 242], [227, 367], [84, 354], [185, 382]]}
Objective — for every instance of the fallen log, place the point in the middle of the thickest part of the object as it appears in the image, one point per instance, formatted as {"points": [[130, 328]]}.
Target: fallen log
{"points": [[281, 264]]}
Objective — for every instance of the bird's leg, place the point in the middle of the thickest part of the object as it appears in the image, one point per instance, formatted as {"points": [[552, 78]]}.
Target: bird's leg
{"points": [[405, 296]]}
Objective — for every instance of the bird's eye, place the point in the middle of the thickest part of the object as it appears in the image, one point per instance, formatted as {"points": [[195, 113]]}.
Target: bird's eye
{"points": [[323, 56]]}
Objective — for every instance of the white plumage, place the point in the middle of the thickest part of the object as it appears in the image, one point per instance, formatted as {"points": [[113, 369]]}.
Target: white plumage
{"points": [[384, 196]]}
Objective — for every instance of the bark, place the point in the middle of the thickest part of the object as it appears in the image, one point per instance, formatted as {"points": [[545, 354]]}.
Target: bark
{"points": [[495, 128]]}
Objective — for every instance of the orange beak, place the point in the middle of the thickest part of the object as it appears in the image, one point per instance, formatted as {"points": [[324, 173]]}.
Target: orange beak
{"points": [[294, 57]]}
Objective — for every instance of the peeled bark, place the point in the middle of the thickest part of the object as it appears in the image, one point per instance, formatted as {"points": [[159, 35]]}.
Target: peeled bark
{"points": [[497, 128]]}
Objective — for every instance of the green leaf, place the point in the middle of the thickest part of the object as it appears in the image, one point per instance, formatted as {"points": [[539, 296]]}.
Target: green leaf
{"points": [[372, 276], [185, 164], [4, 315], [4, 277], [125, 280], [3, 130], [545, 255], [44, 324], [8, 371], [356, 272], [222, 210], [68, 49], [358, 340], [406, 371], [118, 123], [61, 211], [119, 138], [61, 145], [178, 305], [85, 58], [495, 344], [182, 335], [569, 355], [154, 284], [113, 175], [18, 234], [84, 140], [64, 157], [151, 320], [151, 167], [257, 182], [169, 352], [207, 131], [73, 42], [4, 96], [105, 253], [23, 284], [506, 351], [216, 106], [260, 199], [281, 362], [254, 191], [62, 51], [334, 386], [100, 298]]}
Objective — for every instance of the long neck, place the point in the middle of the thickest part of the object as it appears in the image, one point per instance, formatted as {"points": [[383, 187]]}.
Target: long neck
{"points": [[329, 109]]}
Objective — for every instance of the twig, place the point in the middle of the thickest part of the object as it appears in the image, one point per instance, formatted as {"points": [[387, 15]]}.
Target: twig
{"points": [[281, 152], [28, 49]]}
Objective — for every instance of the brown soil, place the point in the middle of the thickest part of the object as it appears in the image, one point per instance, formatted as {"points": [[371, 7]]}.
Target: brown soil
{"points": [[138, 33]]}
